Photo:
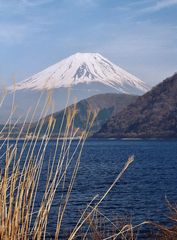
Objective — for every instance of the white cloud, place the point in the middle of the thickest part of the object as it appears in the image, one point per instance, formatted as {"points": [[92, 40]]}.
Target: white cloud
{"points": [[160, 5], [19, 6], [34, 3], [19, 23], [12, 33], [83, 3]]}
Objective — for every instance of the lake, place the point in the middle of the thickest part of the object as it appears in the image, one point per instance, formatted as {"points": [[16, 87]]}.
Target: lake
{"points": [[141, 192]]}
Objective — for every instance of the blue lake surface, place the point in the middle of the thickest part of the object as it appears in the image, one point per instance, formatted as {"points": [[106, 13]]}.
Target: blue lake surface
{"points": [[140, 193]]}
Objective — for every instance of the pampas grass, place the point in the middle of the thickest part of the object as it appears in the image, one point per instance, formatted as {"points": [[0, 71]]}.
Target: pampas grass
{"points": [[163, 232], [20, 218]]}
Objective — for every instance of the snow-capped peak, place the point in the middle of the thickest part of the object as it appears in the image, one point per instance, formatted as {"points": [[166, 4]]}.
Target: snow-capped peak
{"points": [[84, 68]]}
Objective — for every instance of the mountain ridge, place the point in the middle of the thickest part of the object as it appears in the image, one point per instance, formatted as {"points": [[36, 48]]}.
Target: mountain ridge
{"points": [[153, 115], [105, 105]]}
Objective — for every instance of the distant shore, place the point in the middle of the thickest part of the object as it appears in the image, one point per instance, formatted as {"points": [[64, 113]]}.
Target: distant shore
{"points": [[89, 138]]}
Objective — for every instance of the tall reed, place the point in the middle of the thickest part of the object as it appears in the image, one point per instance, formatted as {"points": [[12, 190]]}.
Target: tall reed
{"points": [[20, 218]]}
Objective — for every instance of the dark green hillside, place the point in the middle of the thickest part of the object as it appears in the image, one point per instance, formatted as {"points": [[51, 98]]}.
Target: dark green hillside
{"points": [[104, 104], [151, 115]]}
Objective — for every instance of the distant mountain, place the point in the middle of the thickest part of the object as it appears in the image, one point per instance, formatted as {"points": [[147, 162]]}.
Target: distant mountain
{"points": [[153, 115], [82, 74], [85, 68], [104, 104]]}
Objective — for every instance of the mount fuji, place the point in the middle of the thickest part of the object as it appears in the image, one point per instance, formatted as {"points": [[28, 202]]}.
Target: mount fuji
{"points": [[82, 75], [85, 69]]}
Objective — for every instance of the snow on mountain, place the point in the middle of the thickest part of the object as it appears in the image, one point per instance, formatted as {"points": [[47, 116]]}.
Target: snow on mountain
{"points": [[85, 68]]}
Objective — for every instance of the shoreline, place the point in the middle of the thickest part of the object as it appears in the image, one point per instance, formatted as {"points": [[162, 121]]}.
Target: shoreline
{"points": [[90, 139]]}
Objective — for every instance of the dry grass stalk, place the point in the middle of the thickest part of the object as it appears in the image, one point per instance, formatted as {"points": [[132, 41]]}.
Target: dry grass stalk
{"points": [[163, 232], [19, 178]]}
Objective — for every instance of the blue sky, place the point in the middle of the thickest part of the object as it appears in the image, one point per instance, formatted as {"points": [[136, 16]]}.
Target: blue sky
{"points": [[138, 35]]}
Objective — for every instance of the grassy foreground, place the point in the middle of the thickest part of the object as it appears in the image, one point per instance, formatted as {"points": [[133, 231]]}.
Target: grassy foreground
{"points": [[19, 184]]}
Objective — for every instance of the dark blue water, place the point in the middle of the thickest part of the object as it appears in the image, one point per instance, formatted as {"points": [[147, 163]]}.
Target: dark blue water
{"points": [[142, 191]]}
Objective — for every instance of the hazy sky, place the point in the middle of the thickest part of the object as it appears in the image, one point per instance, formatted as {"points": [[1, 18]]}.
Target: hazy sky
{"points": [[138, 35]]}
